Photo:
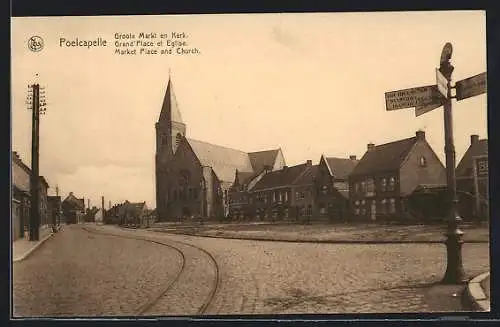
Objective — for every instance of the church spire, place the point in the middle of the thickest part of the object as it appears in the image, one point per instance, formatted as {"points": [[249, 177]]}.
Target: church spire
{"points": [[170, 109]]}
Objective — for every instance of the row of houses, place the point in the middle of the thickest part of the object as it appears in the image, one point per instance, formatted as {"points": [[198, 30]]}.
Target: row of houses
{"points": [[130, 214], [399, 180], [49, 206]]}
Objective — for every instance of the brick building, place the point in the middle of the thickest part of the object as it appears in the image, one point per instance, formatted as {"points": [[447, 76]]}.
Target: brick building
{"points": [[21, 198], [472, 173], [287, 193], [73, 209], [332, 187], [193, 177], [54, 209], [387, 174]]}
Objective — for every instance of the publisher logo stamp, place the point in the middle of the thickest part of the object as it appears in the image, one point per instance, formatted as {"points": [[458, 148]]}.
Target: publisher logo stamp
{"points": [[35, 43]]}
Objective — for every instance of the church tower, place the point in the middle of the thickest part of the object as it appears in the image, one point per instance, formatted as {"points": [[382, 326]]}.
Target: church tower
{"points": [[170, 129]]}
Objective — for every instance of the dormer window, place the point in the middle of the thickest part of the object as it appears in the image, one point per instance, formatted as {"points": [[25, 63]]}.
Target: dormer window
{"points": [[178, 140], [422, 162]]}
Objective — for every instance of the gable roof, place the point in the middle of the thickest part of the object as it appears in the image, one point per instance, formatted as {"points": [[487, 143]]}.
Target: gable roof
{"points": [[223, 161], [464, 167], [307, 177], [261, 159], [244, 177], [170, 109], [74, 201], [341, 168], [282, 177], [384, 157]]}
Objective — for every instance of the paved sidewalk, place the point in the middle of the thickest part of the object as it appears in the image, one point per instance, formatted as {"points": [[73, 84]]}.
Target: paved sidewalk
{"points": [[478, 291], [22, 248], [326, 233]]}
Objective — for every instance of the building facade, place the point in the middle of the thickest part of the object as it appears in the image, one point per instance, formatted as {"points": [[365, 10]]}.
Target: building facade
{"points": [[21, 198], [73, 209], [54, 212], [473, 177], [193, 177], [297, 193], [387, 174]]}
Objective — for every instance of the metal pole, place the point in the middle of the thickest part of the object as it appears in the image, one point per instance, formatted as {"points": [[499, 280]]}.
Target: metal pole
{"points": [[454, 236], [34, 178]]}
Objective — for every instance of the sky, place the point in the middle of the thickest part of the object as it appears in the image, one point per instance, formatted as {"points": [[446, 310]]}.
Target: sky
{"points": [[310, 84]]}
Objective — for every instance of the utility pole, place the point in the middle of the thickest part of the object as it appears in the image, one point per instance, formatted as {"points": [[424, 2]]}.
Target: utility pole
{"points": [[35, 102]]}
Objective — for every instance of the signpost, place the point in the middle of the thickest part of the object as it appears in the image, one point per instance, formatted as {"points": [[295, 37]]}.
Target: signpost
{"points": [[442, 83], [409, 98], [428, 98], [471, 86]]}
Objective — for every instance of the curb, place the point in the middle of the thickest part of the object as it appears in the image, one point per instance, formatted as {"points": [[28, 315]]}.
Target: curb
{"points": [[317, 241], [30, 251], [476, 293]]}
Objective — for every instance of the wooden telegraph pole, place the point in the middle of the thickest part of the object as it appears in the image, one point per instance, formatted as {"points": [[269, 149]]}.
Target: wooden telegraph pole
{"points": [[425, 99], [36, 102]]}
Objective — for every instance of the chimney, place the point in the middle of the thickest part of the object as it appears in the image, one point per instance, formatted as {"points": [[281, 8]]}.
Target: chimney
{"points": [[57, 190], [102, 203], [309, 162], [70, 193], [474, 139], [420, 135], [88, 203], [109, 204], [370, 147], [352, 157]]}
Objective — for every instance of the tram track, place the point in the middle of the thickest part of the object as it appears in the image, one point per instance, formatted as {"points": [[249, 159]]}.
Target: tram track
{"points": [[155, 304]]}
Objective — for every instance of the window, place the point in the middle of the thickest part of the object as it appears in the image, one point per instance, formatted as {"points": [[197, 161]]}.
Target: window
{"points": [[286, 196], [279, 197], [274, 197], [357, 202], [363, 187], [309, 210], [392, 207], [299, 196], [482, 167], [383, 206], [370, 187], [356, 187], [422, 162], [285, 212], [392, 183], [322, 210], [363, 202], [383, 184], [324, 189]]}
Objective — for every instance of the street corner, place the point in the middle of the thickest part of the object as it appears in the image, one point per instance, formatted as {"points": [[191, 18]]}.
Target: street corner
{"points": [[478, 292]]}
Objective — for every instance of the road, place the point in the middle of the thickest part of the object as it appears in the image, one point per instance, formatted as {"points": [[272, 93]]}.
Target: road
{"points": [[82, 272]]}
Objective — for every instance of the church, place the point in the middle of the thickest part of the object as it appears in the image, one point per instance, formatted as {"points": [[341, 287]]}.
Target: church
{"points": [[193, 177]]}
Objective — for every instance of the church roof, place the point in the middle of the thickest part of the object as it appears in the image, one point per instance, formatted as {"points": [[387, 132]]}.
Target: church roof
{"points": [[261, 159], [223, 161], [170, 108]]}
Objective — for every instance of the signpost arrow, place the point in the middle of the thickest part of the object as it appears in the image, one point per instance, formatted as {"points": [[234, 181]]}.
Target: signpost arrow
{"points": [[414, 97], [471, 86], [442, 83]]}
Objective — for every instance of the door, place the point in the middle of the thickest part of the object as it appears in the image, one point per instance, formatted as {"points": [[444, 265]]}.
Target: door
{"points": [[374, 210]]}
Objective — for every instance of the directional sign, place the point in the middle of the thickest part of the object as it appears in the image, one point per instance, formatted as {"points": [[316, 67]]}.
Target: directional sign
{"points": [[442, 83], [414, 97], [423, 109], [471, 86]]}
